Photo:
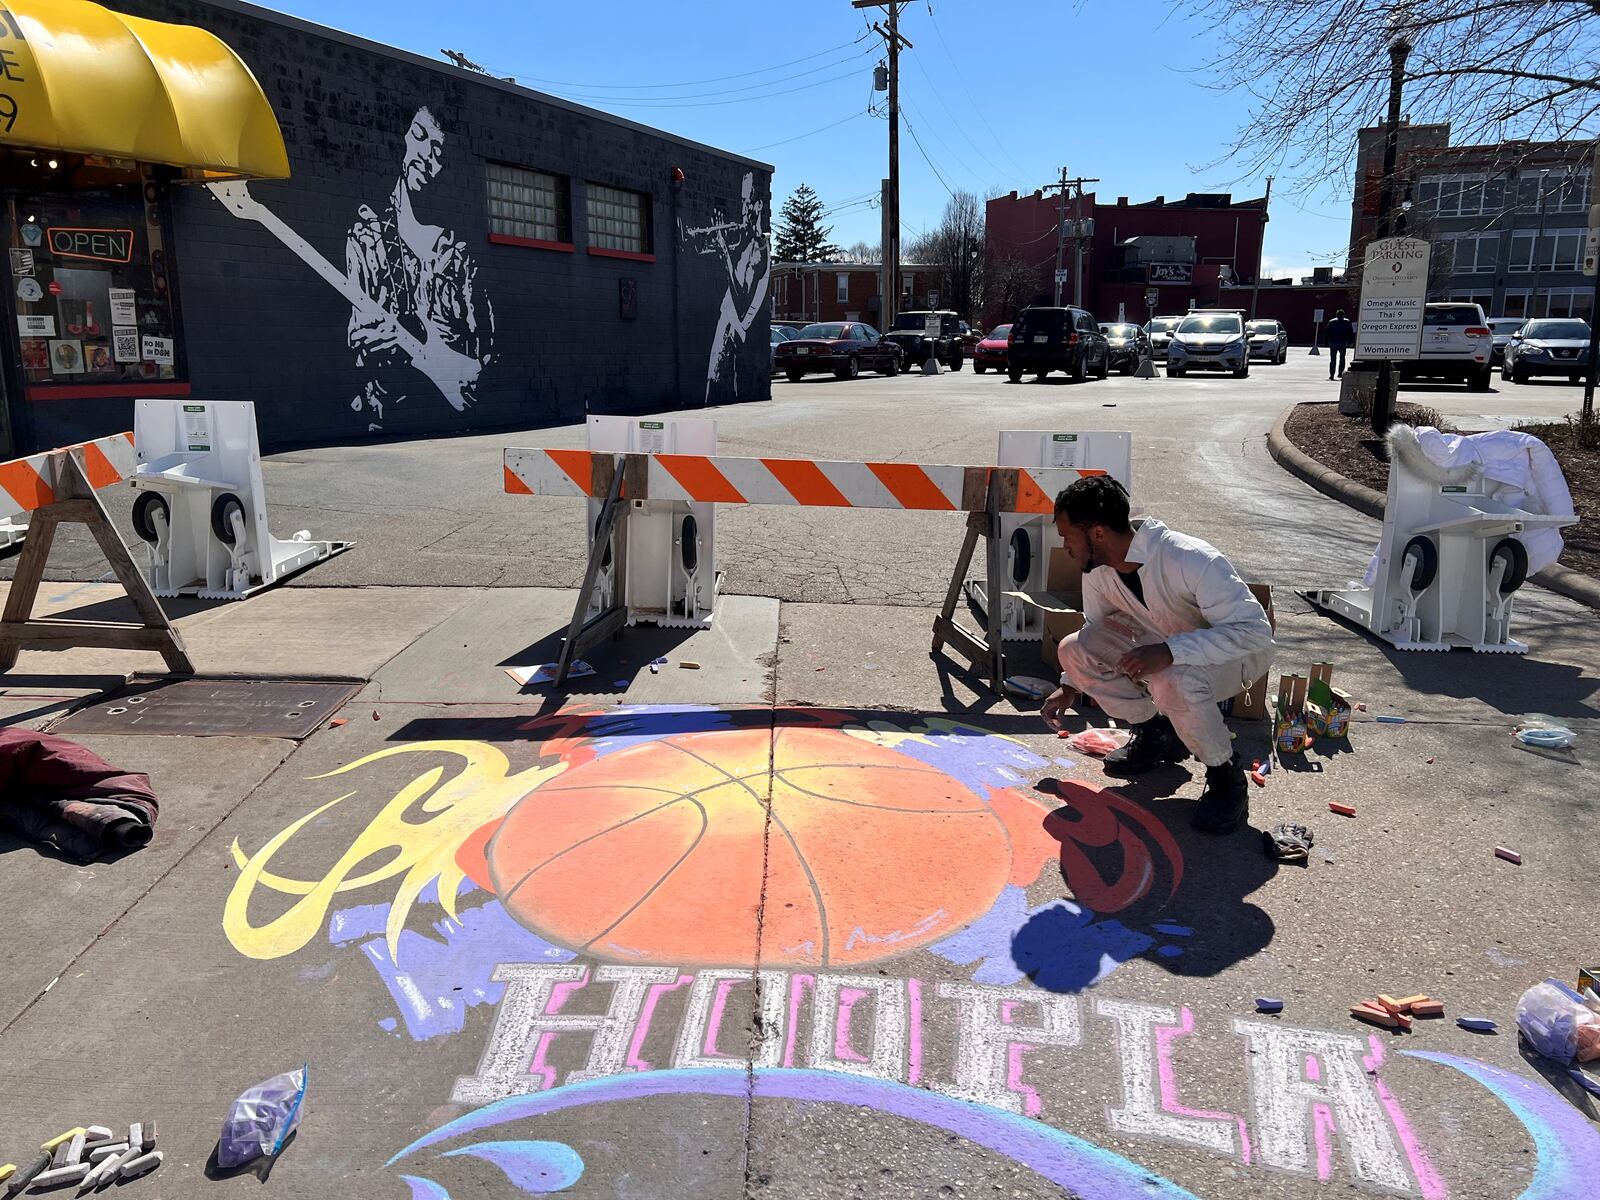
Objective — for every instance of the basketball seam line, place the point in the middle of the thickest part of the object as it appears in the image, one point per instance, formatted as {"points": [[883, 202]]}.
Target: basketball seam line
{"points": [[705, 824]]}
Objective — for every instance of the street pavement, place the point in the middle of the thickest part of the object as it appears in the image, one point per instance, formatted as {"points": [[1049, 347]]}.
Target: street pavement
{"points": [[800, 911]]}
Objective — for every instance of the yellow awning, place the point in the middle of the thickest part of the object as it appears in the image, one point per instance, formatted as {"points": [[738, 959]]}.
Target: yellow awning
{"points": [[79, 78]]}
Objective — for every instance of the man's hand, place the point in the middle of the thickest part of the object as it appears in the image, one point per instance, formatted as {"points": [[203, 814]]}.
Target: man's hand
{"points": [[1143, 661], [1057, 704]]}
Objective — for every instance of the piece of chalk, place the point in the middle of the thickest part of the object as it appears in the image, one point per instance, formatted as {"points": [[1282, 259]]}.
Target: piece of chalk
{"points": [[1266, 766], [1511, 856], [148, 1142], [111, 1168], [100, 1153], [140, 1165], [1266, 1004], [1428, 1008], [62, 1137], [59, 1176], [1584, 1080], [136, 1135], [689, 666], [7, 1170], [27, 1173], [1477, 1024], [1390, 1004], [1344, 810], [1388, 720], [1257, 778], [96, 1134], [1375, 1015]]}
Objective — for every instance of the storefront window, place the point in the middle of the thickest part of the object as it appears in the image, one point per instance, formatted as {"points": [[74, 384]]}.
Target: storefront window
{"points": [[90, 287]]}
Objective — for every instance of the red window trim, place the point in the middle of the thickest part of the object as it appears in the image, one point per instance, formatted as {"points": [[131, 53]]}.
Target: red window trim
{"points": [[107, 391], [506, 239], [630, 255]]}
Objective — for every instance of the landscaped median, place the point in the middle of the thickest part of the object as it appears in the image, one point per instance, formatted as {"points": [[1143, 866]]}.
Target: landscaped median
{"points": [[1341, 457]]}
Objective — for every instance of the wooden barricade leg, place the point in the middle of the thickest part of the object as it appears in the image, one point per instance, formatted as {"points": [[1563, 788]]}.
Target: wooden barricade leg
{"points": [[75, 501], [580, 633], [988, 653]]}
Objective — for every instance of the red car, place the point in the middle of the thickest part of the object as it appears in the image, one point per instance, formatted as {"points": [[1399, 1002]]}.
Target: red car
{"points": [[840, 348], [991, 351]]}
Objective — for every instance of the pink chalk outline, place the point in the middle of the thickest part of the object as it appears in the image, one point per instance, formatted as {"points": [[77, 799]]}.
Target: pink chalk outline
{"points": [[1428, 1181], [559, 995], [1166, 1073]]}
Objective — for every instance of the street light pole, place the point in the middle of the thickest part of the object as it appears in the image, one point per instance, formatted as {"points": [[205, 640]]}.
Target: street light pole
{"points": [[1399, 51]]}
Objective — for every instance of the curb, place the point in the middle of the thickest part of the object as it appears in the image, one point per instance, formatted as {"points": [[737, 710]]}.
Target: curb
{"points": [[1564, 580]]}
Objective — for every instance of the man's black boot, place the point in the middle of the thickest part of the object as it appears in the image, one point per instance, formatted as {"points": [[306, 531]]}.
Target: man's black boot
{"points": [[1152, 744], [1225, 803]]}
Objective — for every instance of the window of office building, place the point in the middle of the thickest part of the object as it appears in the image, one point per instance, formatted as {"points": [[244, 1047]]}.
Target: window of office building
{"points": [[528, 205], [1515, 303], [1483, 298], [1561, 190], [1461, 195], [1566, 302], [618, 220], [1473, 253], [1561, 250]]}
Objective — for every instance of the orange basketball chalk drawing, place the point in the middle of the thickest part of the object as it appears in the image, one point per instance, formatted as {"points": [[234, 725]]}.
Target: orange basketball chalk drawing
{"points": [[656, 853]]}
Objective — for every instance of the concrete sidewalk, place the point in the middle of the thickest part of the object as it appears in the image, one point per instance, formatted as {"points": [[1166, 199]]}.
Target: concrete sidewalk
{"points": [[981, 969]]}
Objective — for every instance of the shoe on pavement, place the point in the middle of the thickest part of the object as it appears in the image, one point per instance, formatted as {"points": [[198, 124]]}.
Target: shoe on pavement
{"points": [[1153, 743], [1225, 803]]}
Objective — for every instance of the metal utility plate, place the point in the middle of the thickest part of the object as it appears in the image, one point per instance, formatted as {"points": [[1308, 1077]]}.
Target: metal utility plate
{"points": [[281, 708]]}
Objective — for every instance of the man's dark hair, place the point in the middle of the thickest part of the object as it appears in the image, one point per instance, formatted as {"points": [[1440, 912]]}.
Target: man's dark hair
{"points": [[1095, 500], [1340, 313]]}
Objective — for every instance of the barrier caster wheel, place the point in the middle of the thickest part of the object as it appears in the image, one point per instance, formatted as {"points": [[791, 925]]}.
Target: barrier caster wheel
{"points": [[1427, 555], [1021, 556], [690, 550], [1515, 556], [145, 506], [222, 509]]}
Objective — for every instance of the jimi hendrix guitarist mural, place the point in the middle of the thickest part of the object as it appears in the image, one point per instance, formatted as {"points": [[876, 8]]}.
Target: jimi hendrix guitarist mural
{"points": [[416, 307]]}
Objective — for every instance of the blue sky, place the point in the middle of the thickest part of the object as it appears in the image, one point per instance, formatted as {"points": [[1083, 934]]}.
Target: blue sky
{"points": [[1001, 95]]}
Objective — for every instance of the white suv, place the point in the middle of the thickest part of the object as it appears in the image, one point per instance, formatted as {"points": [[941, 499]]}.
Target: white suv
{"points": [[1457, 343], [1209, 339]]}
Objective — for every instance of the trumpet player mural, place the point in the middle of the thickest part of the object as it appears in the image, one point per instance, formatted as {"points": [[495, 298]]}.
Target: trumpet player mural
{"points": [[743, 248]]}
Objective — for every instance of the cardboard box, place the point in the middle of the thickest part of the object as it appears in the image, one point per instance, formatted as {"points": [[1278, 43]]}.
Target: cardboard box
{"points": [[1289, 718], [1251, 704], [1061, 618], [1063, 578], [1327, 708]]}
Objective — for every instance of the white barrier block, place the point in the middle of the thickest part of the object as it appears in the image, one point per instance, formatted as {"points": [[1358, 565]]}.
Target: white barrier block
{"points": [[205, 523]]}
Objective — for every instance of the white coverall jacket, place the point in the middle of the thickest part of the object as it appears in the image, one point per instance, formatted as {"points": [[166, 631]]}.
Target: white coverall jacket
{"points": [[1195, 602]]}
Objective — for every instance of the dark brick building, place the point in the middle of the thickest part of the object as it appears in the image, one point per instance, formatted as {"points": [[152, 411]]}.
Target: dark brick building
{"points": [[449, 252], [846, 291]]}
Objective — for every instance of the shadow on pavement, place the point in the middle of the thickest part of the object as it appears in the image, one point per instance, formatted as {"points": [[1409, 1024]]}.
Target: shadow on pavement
{"points": [[1120, 855]]}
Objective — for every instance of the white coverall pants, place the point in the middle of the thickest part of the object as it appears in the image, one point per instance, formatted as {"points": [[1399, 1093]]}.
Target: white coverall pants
{"points": [[1186, 696]]}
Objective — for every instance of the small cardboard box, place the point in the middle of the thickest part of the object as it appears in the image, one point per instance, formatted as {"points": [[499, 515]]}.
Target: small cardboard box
{"points": [[1327, 708], [1063, 578], [1289, 718], [1251, 704], [1061, 618]]}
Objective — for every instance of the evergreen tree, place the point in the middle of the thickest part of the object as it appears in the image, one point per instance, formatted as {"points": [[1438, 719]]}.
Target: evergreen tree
{"points": [[801, 236]]}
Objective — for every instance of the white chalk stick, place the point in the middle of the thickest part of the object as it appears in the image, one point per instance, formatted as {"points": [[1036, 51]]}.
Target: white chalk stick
{"points": [[60, 1176], [140, 1165], [100, 1153]]}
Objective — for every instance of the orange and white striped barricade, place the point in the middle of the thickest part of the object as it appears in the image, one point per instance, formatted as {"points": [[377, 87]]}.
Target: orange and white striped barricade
{"points": [[667, 572], [621, 480], [1030, 537], [56, 487], [202, 506]]}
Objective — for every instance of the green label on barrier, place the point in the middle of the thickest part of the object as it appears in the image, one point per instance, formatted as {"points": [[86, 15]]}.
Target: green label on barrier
{"points": [[1453, 489], [652, 424], [1065, 437], [194, 408]]}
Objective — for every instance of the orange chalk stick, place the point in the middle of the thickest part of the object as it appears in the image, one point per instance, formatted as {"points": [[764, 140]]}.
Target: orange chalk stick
{"points": [[1344, 810], [1375, 1015], [1428, 1008]]}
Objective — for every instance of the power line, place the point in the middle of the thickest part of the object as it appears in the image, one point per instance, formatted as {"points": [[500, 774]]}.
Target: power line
{"points": [[912, 130], [697, 82], [956, 121], [812, 133], [618, 103], [697, 99], [962, 80], [948, 148]]}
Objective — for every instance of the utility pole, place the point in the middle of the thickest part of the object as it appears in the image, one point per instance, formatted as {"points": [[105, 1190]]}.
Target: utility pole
{"points": [[1061, 233], [891, 241], [1261, 243]]}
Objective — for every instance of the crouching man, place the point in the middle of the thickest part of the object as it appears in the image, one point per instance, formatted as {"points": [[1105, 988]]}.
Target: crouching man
{"points": [[1170, 632]]}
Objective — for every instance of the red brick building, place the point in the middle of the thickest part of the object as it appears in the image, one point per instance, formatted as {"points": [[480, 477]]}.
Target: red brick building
{"points": [[1189, 250], [845, 291]]}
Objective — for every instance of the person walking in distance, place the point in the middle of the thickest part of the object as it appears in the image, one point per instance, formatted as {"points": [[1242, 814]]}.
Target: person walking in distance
{"points": [[1341, 336], [1170, 632]]}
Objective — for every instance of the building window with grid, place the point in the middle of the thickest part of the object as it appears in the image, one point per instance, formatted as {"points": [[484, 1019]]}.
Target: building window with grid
{"points": [[1557, 190], [1461, 195], [1474, 253], [1566, 302], [841, 283], [1483, 299], [1516, 302], [618, 220], [528, 206]]}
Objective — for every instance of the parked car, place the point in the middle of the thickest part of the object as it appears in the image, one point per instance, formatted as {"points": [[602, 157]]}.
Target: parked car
{"points": [[1551, 346], [1211, 341], [1127, 344], [1456, 344], [844, 348], [916, 346], [991, 350], [970, 338], [1269, 340], [779, 336], [1501, 328], [1159, 331], [1057, 339], [792, 326]]}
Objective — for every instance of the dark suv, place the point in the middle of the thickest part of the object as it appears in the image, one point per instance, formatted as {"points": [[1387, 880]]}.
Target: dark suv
{"points": [[910, 333], [1057, 339]]}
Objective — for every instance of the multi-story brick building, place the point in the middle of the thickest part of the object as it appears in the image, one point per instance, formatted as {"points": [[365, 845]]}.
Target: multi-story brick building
{"points": [[426, 249], [1507, 221], [848, 291]]}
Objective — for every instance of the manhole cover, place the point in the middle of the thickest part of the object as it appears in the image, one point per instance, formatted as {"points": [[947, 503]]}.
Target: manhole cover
{"points": [[281, 708]]}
